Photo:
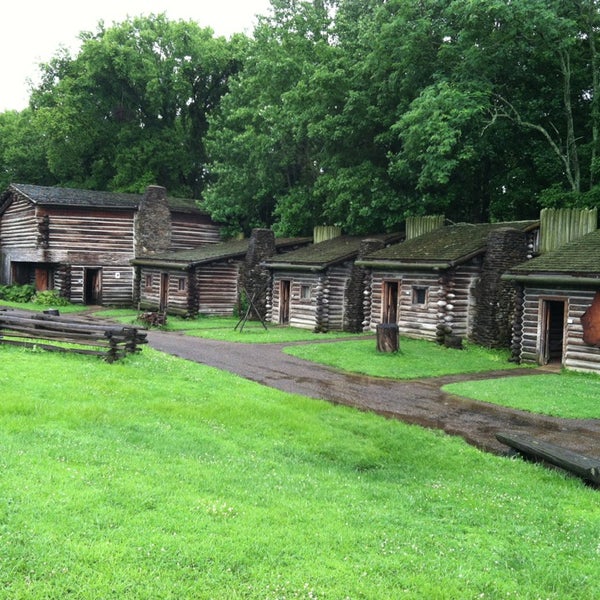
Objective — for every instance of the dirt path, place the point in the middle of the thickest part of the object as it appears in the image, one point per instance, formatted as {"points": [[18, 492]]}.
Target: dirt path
{"points": [[418, 402]]}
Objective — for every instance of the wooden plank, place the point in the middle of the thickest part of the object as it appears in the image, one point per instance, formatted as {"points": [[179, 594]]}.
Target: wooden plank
{"points": [[585, 467]]}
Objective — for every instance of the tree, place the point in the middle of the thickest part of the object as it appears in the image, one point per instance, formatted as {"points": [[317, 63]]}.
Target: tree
{"points": [[262, 157], [132, 107]]}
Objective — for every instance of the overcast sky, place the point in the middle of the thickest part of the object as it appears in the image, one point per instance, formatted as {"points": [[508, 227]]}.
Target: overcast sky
{"points": [[32, 30]]}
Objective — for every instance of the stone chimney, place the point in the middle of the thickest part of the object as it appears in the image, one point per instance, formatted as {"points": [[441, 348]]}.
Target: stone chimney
{"points": [[254, 278], [495, 299], [152, 227], [355, 289]]}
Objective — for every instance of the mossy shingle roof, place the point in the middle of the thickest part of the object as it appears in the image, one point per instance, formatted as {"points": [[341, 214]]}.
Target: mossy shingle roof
{"points": [[443, 247], [579, 258], [182, 259], [324, 254], [55, 196]]}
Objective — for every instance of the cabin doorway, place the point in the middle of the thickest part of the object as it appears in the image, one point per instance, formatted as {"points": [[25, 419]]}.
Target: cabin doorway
{"points": [[390, 301], [92, 286], [164, 292], [552, 331], [285, 286]]}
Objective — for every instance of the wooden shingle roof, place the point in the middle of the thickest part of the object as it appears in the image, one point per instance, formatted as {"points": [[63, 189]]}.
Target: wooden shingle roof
{"points": [[577, 259], [324, 254], [441, 248], [184, 259], [71, 197]]}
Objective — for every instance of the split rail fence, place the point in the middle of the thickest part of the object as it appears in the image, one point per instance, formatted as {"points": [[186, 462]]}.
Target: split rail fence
{"points": [[69, 334]]}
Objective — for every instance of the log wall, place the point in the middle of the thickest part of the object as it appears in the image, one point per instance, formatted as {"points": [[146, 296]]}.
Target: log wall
{"points": [[337, 282], [90, 231], [190, 231], [324, 309], [217, 287], [116, 284], [577, 355], [303, 312], [448, 307], [19, 225]]}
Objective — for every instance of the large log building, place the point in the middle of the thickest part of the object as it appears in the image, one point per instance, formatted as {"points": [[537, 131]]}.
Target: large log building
{"points": [[81, 242]]}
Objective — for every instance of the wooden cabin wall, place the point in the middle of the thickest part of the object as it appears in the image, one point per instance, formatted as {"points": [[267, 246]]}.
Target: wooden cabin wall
{"points": [[577, 355], [102, 236], [149, 288], [460, 286], [116, 283], [337, 281], [303, 312], [217, 287], [419, 320], [178, 294], [190, 231], [448, 301], [19, 225], [19, 234]]}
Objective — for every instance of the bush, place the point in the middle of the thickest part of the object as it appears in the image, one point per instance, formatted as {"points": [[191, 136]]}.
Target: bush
{"points": [[17, 293], [50, 298]]}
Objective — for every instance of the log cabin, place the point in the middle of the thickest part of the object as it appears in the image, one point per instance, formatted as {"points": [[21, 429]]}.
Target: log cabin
{"points": [[208, 280], [445, 284], [557, 317], [80, 242], [319, 287]]}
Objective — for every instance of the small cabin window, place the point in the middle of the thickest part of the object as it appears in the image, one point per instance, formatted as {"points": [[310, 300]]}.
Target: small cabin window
{"points": [[305, 292], [419, 295], [182, 284], [148, 281]]}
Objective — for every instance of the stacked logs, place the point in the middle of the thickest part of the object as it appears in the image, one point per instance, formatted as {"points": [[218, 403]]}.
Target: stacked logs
{"points": [[56, 333]]}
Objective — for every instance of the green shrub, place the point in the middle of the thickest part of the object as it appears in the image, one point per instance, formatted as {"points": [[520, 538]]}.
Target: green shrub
{"points": [[50, 298], [17, 293]]}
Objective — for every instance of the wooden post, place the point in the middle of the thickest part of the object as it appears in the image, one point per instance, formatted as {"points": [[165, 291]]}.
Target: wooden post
{"points": [[387, 337]]}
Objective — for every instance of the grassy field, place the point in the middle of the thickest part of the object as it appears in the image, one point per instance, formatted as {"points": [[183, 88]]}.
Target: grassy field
{"points": [[157, 478], [416, 358], [569, 395], [224, 328]]}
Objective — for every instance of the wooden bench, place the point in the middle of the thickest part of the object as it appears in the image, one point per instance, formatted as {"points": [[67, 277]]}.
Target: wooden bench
{"points": [[83, 336], [586, 467]]}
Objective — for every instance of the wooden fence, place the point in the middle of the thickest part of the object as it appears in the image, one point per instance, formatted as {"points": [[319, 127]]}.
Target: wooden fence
{"points": [[69, 334]]}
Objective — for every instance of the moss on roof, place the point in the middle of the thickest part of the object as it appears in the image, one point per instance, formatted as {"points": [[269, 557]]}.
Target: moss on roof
{"points": [[452, 244], [325, 253], [182, 259], [55, 196], [581, 257]]}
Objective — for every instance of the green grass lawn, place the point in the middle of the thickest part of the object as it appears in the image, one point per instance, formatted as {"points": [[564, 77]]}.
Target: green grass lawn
{"points": [[416, 358], [71, 308], [157, 478], [568, 395], [224, 328]]}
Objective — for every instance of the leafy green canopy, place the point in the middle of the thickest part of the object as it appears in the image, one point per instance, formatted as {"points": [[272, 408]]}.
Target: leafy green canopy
{"points": [[361, 113], [131, 108], [357, 113]]}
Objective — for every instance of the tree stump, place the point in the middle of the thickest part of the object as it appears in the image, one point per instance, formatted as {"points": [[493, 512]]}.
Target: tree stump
{"points": [[387, 337]]}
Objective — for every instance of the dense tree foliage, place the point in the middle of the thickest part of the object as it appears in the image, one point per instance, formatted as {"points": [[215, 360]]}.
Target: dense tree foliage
{"points": [[349, 112], [132, 107]]}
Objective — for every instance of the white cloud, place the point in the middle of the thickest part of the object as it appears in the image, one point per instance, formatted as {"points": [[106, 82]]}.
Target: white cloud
{"points": [[32, 31]]}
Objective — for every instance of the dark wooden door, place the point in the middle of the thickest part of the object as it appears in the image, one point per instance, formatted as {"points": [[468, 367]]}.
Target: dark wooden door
{"points": [[164, 291], [390, 301], [284, 301], [92, 286], [42, 279], [552, 331]]}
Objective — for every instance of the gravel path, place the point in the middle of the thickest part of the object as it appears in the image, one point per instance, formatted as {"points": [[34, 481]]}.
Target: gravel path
{"points": [[418, 402]]}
